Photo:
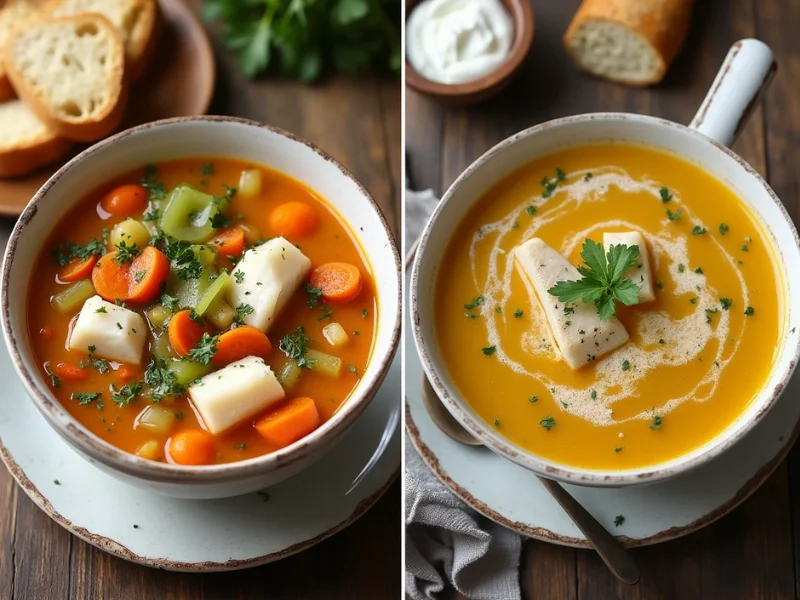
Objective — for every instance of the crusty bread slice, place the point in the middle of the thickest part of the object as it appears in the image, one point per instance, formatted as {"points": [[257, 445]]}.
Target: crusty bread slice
{"points": [[69, 71], [25, 142], [629, 41], [12, 13], [136, 22]]}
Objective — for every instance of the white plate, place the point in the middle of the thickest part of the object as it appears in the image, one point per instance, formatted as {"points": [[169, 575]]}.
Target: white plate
{"points": [[201, 535], [512, 496]]}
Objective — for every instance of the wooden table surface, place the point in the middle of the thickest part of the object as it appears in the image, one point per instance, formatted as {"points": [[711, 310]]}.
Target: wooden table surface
{"points": [[753, 552], [357, 122]]}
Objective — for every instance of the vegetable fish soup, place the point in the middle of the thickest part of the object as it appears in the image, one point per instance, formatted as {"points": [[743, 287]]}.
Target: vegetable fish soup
{"points": [[655, 346], [202, 311]]}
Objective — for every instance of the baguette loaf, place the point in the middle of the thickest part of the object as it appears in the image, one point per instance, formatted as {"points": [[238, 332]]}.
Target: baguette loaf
{"points": [[69, 71], [12, 13], [629, 41], [25, 142], [135, 20]]}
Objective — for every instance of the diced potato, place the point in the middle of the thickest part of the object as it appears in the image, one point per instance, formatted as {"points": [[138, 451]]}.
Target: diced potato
{"points": [[221, 314], [156, 419], [335, 334], [72, 298], [131, 232], [186, 371], [114, 332], [150, 450], [289, 374], [158, 315], [250, 183], [160, 347], [325, 364]]}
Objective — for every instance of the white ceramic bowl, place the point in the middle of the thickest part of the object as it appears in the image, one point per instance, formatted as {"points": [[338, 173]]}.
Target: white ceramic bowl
{"points": [[744, 74], [187, 137]]}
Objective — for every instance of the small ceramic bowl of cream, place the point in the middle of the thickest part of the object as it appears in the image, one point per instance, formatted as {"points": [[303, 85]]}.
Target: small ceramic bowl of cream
{"points": [[463, 51]]}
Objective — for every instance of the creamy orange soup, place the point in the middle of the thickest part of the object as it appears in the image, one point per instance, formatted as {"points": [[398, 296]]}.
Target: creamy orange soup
{"points": [[697, 355]]}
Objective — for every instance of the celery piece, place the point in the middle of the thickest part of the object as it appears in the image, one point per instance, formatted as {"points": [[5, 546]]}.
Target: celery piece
{"points": [[250, 183], [158, 315], [289, 374], [186, 371], [156, 419], [72, 298], [221, 314], [216, 291], [188, 214], [325, 364], [160, 347]]}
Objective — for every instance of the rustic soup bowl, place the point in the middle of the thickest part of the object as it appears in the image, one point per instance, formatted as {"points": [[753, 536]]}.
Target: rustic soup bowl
{"points": [[746, 71], [187, 137]]}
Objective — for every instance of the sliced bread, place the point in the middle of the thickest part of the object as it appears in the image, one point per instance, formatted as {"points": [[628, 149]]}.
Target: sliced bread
{"points": [[629, 41], [12, 13], [25, 142], [69, 71], [136, 22]]}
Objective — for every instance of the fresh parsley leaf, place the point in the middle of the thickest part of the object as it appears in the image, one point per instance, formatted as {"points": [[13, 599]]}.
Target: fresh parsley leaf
{"points": [[162, 381], [238, 276], [489, 350], [242, 310], [64, 253], [205, 349], [183, 260], [474, 303], [102, 309], [697, 230], [85, 397], [126, 394], [533, 399], [548, 423], [352, 369], [518, 313], [154, 214], [749, 311], [665, 195], [531, 210], [550, 185], [326, 313], [626, 365], [220, 221], [295, 346], [207, 169], [674, 216], [150, 182], [619, 519], [125, 253], [603, 281], [656, 424], [314, 295], [169, 302], [723, 229], [726, 303]]}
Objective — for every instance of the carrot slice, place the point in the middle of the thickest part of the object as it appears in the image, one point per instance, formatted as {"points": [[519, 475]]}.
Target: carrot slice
{"points": [[146, 274], [125, 200], [288, 423], [77, 269], [46, 333], [294, 219], [110, 279], [229, 241], [192, 447], [239, 343], [339, 281], [184, 333], [125, 373], [69, 372]]}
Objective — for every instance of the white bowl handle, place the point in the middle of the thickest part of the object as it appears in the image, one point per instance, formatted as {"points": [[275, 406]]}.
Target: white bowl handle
{"points": [[744, 75]]}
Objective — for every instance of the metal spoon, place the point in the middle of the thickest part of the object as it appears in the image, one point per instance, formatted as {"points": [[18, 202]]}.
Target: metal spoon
{"points": [[617, 559]]}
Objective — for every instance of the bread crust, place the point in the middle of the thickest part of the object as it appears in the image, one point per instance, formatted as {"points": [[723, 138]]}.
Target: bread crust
{"points": [[660, 24], [29, 155], [144, 38], [80, 129]]}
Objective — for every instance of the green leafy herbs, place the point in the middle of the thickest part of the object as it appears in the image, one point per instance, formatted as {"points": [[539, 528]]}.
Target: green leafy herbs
{"points": [[550, 185], [126, 394], [101, 310], [749, 311], [548, 423], [709, 313], [674, 216], [301, 38], [85, 397], [656, 424], [64, 253], [619, 519], [295, 346], [681, 268], [531, 210], [364, 313], [352, 369], [238, 276], [314, 295], [723, 229], [151, 183], [220, 221], [205, 349], [626, 365], [163, 382], [699, 271], [183, 260], [697, 230], [665, 195], [726, 303], [489, 350], [603, 279], [207, 169], [533, 399], [169, 302], [518, 313], [326, 313], [474, 303], [242, 310]]}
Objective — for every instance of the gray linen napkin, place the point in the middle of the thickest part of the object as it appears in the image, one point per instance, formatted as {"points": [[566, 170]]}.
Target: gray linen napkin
{"points": [[447, 542]]}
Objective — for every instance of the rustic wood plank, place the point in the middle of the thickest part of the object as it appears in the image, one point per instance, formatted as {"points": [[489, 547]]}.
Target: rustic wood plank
{"points": [[549, 572], [391, 108], [8, 506], [424, 130]]}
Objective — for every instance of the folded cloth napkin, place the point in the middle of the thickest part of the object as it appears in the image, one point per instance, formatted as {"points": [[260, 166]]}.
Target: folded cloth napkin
{"points": [[447, 542]]}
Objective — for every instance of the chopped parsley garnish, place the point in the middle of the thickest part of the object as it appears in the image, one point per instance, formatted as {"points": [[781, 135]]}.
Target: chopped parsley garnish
{"points": [[207, 169], [326, 313], [314, 295], [626, 365], [295, 346], [693, 300], [125, 253], [238, 276], [162, 381], [242, 310], [674, 216], [220, 221], [699, 271], [697, 230], [726, 303], [603, 280], [745, 248], [102, 309], [488, 351], [548, 423], [681, 268], [169, 302], [618, 450], [152, 185], [470, 315], [660, 285], [619, 519], [587, 177], [85, 397], [533, 399], [569, 310], [656, 424], [749, 311], [723, 229], [139, 276], [531, 210], [665, 195], [474, 303], [152, 215], [240, 447], [709, 312], [64, 253], [515, 225], [518, 313], [183, 260], [205, 349], [126, 394], [364, 313], [594, 395], [352, 369], [498, 310], [550, 185]]}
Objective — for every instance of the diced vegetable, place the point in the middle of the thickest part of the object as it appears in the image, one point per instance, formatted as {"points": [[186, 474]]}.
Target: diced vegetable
{"points": [[125, 200], [156, 419], [205, 254], [131, 232], [250, 183], [109, 331], [289, 422], [78, 269], [325, 364], [230, 242], [289, 374], [294, 219], [137, 281], [339, 281], [150, 450], [186, 371], [185, 332], [69, 372], [215, 292], [221, 314], [160, 347], [158, 314], [72, 298], [251, 234], [240, 343], [192, 447], [188, 215], [335, 334]]}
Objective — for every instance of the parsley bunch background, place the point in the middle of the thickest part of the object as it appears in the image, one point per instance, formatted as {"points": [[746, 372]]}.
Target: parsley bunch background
{"points": [[602, 281], [301, 38]]}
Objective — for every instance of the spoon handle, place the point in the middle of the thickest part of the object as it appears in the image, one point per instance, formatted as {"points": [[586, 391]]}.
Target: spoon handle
{"points": [[617, 559]]}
